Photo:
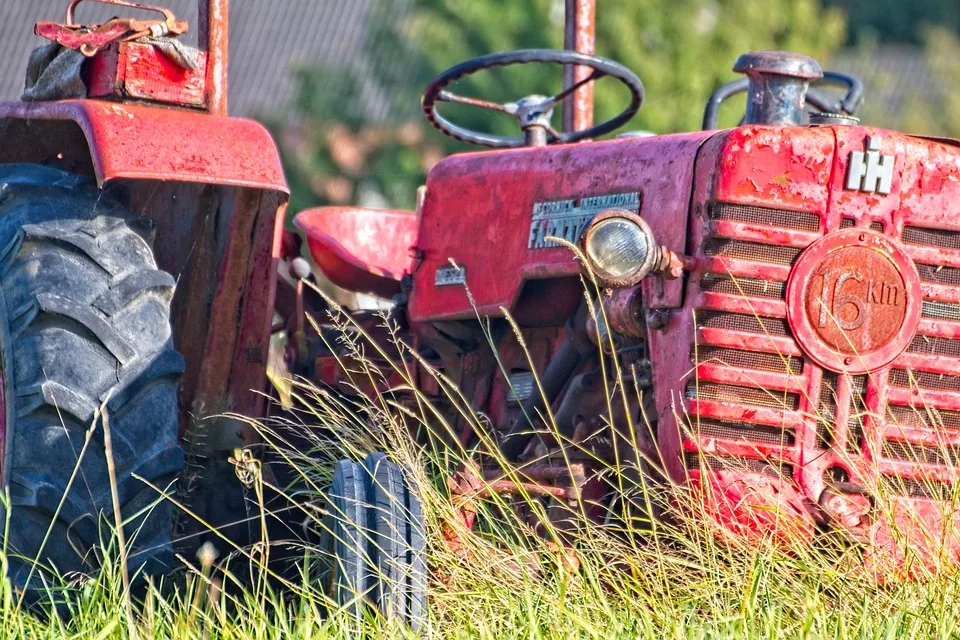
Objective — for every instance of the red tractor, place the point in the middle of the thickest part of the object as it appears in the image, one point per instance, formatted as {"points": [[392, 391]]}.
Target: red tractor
{"points": [[784, 296], [123, 180], [142, 232]]}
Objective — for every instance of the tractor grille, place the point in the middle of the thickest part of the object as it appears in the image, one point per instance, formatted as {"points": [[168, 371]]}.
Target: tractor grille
{"points": [[934, 345], [836, 405], [753, 251], [921, 380], [925, 417], [751, 287], [926, 454], [941, 310], [744, 323], [939, 275], [941, 355], [753, 396], [858, 412], [827, 409], [712, 314]]}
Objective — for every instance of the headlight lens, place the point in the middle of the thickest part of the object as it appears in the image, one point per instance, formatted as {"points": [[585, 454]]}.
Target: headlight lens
{"points": [[617, 248]]}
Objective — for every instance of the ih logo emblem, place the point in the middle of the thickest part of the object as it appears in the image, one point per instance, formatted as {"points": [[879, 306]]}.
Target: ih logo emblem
{"points": [[869, 171]]}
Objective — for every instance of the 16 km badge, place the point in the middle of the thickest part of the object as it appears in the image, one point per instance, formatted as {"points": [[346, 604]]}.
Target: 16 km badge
{"points": [[566, 218]]}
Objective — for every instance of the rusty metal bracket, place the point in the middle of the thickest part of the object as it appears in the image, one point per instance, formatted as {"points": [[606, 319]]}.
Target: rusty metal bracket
{"points": [[88, 39]]}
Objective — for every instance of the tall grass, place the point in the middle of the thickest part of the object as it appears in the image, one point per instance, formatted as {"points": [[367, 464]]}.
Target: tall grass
{"points": [[635, 577]]}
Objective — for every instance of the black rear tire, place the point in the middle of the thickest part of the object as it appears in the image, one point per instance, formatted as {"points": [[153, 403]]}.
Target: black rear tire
{"points": [[84, 322]]}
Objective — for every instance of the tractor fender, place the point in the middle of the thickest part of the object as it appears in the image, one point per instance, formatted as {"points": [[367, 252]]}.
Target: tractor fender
{"points": [[140, 142]]}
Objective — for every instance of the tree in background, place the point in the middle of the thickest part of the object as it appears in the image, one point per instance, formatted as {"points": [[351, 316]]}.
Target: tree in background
{"points": [[337, 153], [897, 20], [938, 114]]}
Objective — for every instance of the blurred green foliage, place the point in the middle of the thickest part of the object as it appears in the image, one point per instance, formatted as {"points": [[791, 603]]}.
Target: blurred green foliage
{"points": [[897, 20], [337, 153]]}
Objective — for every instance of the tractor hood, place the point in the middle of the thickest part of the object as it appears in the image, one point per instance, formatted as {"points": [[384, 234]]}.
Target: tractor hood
{"points": [[486, 216]]}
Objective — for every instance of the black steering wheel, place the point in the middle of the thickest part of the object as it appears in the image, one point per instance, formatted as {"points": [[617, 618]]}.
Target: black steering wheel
{"points": [[533, 112]]}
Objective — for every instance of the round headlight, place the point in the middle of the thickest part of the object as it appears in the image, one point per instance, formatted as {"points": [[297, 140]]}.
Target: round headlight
{"points": [[620, 249]]}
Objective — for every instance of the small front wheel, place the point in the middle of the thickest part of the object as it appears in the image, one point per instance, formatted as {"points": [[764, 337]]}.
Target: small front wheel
{"points": [[373, 542]]}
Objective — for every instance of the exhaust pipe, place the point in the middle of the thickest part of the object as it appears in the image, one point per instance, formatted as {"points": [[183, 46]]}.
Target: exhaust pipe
{"points": [[777, 85], [579, 35]]}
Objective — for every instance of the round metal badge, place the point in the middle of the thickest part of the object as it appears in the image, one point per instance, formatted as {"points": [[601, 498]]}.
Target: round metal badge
{"points": [[853, 301]]}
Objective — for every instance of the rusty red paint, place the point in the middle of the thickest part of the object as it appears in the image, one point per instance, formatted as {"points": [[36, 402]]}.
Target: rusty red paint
{"points": [[89, 39], [755, 508], [140, 71], [151, 143], [501, 188], [364, 250]]}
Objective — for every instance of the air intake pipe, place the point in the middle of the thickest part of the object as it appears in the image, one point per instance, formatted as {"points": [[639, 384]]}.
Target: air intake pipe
{"points": [[777, 85]]}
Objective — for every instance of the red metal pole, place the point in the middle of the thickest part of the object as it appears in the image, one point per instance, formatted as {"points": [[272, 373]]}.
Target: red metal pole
{"points": [[214, 31], [580, 36]]}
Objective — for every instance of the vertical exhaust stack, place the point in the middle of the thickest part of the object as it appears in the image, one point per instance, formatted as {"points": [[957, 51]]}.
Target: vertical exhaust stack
{"points": [[580, 34], [778, 83]]}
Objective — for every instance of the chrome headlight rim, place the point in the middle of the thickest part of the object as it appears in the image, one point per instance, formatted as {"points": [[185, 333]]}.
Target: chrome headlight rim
{"points": [[642, 270]]}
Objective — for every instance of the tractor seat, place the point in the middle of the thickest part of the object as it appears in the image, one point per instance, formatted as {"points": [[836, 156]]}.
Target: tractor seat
{"points": [[362, 250]]}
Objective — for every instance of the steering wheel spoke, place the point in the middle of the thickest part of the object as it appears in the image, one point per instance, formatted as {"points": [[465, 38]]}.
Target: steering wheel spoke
{"points": [[531, 111], [596, 75], [446, 96]]}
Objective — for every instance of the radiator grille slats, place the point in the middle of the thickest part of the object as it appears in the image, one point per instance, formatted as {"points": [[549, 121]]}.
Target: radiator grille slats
{"points": [[930, 237], [799, 220], [858, 425], [858, 411], [932, 421], [755, 287], [742, 322], [935, 345], [922, 453], [759, 361], [694, 460], [827, 409], [753, 251], [752, 396], [921, 416], [907, 379], [741, 432], [765, 359], [914, 488], [939, 274], [941, 310]]}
